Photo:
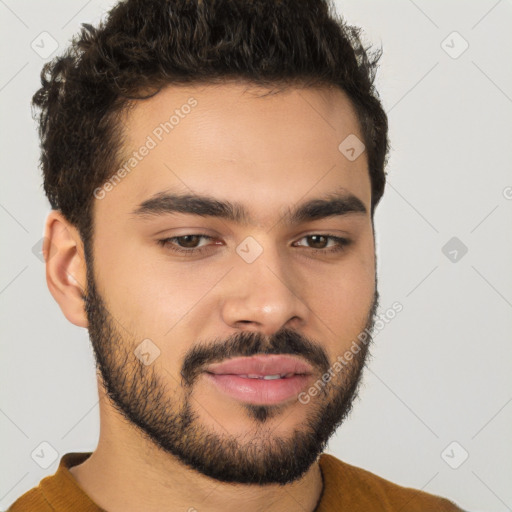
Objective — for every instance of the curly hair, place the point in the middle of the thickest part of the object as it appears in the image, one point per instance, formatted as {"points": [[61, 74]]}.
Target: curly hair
{"points": [[145, 45]]}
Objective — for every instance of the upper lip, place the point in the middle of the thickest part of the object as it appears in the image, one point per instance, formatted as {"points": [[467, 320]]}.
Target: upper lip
{"points": [[261, 365]]}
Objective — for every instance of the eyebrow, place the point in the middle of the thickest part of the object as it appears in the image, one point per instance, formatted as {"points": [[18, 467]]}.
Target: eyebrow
{"points": [[162, 203]]}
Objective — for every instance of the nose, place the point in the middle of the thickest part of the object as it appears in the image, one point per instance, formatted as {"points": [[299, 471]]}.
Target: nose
{"points": [[263, 295]]}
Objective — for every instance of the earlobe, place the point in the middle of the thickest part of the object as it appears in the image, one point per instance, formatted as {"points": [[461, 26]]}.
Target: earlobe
{"points": [[65, 267]]}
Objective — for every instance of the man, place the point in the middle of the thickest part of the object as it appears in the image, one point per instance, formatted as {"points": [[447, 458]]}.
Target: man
{"points": [[214, 169]]}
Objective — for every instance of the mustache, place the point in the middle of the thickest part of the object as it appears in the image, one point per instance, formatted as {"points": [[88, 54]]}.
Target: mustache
{"points": [[246, 344]]}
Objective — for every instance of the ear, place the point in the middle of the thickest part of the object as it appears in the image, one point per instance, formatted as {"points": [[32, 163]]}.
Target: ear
{"points": [[65, 267]]}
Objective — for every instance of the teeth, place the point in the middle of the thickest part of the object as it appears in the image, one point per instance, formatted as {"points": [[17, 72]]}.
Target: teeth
{"points": [[267, 377]]}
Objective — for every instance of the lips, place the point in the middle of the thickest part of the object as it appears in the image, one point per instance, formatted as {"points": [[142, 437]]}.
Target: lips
{"points": [[262, 366], [260, 379]]}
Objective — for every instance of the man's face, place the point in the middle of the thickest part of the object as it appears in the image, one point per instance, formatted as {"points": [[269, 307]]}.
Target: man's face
{"points": [[164, 315]]}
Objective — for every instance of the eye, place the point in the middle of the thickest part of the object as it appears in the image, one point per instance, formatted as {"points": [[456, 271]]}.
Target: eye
{"points": [[187, 243], [320, 243]]}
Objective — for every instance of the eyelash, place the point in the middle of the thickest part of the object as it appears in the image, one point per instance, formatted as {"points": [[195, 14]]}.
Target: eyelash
{"points": [[343, 243]]}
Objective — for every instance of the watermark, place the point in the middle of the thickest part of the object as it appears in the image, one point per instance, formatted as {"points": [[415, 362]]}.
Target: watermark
{"points": [[44, 45], [146, 352], [152, 140], [352, 147], [455, 455], [343, 360], [454, 249], [249, 249], [39, 252], [507, 192], [454, 45], [44, 455]]}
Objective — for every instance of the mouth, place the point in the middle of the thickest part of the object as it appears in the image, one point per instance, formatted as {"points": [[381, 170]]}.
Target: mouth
{"points": [[267, 377], [262, 380]]}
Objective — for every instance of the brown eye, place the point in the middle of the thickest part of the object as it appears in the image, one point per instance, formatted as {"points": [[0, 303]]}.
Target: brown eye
{"points": [[188, 241], [319, 241], [187, 244]]}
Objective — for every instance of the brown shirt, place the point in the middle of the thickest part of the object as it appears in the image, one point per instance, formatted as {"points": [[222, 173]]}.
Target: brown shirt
{"points": [[346, 488]]}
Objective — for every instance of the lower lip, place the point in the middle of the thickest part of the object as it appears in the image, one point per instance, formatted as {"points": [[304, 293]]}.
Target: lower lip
{"points": [[259, 391]]}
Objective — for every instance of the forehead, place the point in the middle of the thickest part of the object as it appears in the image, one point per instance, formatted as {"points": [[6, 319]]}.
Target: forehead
{"points": [[238, 143]]}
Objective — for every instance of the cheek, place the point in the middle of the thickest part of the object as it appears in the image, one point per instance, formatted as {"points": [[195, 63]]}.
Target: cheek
{"points": [[148, 294], [342, 297]]}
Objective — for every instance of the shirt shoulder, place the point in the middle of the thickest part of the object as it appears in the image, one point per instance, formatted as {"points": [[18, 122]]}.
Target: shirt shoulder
{"points": [[348, 487], [59, 492], [31, 501]]}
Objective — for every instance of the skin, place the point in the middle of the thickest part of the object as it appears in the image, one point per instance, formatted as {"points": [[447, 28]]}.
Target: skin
{"points": [[267, 153]]}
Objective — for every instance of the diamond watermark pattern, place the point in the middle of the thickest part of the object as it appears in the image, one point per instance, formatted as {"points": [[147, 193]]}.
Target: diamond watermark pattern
{"points": [[44, 455], [249, 249], [352, 147], [44, 45], [37, 249], [454, 45], [454, 249], [146, 352], [454, 455]]}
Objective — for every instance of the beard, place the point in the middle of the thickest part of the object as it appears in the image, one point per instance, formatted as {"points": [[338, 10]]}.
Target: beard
{"points": [[168, 420]]}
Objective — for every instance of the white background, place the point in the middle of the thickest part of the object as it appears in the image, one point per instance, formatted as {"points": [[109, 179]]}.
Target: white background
{"points": [[440, 370]]}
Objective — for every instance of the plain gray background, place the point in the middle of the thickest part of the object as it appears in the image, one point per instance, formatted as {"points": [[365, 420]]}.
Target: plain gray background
{"points": [[441, 369]]}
